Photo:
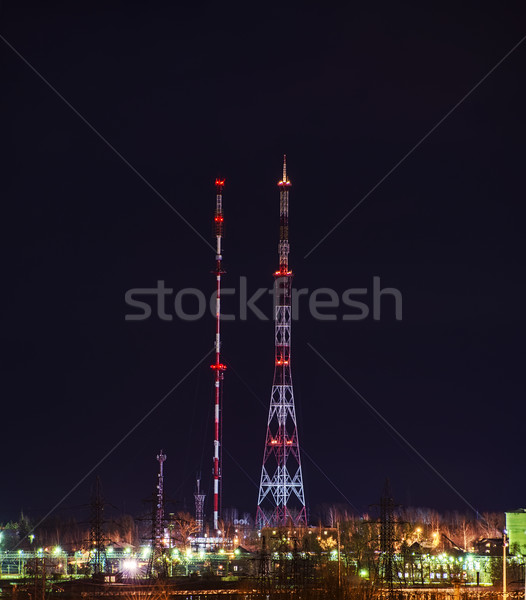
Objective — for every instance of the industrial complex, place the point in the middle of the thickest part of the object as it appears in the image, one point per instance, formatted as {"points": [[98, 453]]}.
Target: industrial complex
{"points": [[276, 551]]}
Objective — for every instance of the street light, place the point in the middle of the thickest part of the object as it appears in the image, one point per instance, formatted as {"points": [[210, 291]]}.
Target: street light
{"points": [[504, 544]]}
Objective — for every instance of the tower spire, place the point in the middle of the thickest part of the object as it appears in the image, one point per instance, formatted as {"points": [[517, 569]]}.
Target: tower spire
{"points": [[281, 498], [284, 169], [284, 246]]}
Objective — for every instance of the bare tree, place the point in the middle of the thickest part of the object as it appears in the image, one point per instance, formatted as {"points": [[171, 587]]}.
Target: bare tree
{"points": [[184, 527]]}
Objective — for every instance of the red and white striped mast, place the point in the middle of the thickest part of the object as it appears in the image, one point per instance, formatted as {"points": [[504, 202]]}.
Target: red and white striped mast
{"points": [[218, 367]]}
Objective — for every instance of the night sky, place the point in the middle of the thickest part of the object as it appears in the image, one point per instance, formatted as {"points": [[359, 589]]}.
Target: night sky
{"points": [[187, 93]]}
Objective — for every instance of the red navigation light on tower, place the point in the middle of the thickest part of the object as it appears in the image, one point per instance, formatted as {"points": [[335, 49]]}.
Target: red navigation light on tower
{"points": [[218, 367], [281, 498]]}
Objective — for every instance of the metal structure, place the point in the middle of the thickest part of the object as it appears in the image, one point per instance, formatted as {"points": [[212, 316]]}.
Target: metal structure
{"points": [[281, 498], [387, 540], [156, 563], [218, 367], [97, 549], [199, 507], [284, 565]]}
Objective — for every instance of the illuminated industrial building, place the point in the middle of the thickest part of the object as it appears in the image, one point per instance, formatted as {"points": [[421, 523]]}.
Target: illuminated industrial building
{"points": [[516, 527]]}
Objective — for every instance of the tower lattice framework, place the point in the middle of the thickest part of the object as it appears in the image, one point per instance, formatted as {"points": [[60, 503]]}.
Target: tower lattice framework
{"points": [[199, 498], [281, 498], [157, 564]]}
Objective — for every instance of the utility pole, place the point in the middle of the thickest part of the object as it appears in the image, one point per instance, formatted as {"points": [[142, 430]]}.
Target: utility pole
{"points": [[97, 556]]}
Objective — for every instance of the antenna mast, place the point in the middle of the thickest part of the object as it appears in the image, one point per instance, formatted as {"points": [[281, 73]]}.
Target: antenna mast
{"points": [[199, 498], [159, 514], [218, 367]]}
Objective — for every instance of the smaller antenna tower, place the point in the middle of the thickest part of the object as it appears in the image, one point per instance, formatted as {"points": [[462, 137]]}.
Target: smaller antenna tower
{"points": [[199, 507], [158, 523], [218, 367]]}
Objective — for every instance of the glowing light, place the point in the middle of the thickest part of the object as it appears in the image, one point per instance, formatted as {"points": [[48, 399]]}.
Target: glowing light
{"points": [[218, 367], [363, 573], [130, 565], [57, 550]]}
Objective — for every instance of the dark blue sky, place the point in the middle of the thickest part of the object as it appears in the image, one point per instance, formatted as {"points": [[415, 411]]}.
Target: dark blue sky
{"points": [[187, 93]]}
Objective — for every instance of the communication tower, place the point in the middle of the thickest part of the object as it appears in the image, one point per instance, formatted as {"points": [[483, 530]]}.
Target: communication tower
{"points": [[281, 498], [157, 563], [217, 366]]}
